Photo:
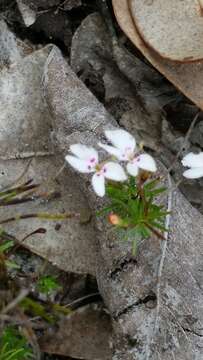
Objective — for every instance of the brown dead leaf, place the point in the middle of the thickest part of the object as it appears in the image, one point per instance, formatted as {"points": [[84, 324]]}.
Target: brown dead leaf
{"points": [[84, 334], [188, 78], [172, 28]]}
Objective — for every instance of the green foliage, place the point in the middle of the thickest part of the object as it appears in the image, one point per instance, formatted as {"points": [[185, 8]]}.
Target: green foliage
{"points": [[49, 312], [14, 346], [4, 248], [134, 202], [6, 245], [35, 308], [48, 284]]}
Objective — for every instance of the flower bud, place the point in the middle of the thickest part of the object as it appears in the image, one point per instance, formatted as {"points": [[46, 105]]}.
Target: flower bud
{"points": [[114, 219]]}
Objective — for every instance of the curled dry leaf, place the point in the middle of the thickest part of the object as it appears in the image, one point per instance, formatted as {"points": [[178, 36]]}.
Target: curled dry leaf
{"points": [[188, 78], [172, 28]]}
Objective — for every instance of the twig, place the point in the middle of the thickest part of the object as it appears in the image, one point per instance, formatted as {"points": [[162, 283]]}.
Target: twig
{"points": [[17, 321], [59, 171], [179, 324], [81, 299], [184, 141], [173, 355], [18, 178], [27, 155], [23, 293], [30, 335], [185, 269], [163, 255], [44, 216], [164, 244]]}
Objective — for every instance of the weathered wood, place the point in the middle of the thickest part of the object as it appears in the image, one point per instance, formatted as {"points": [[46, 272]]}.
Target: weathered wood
{"points": [[157, 312]]}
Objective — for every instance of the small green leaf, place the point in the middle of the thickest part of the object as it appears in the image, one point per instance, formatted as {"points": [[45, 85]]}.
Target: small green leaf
{"points": [[48, 284], [37, 309], [14, 346], [12, 265], [6, 246]]}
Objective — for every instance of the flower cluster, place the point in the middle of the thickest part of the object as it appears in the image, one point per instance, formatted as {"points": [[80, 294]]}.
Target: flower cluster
{"points": [[123, 149]]}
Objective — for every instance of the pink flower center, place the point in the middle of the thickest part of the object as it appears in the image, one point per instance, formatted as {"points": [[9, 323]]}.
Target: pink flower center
{"points": [[128, 153], [91, 163], [101, 171], [136, 159]]}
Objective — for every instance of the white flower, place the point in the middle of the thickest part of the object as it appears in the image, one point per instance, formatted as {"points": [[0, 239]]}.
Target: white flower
{"points": [[85, 159], [124, 149], [195, 163]]}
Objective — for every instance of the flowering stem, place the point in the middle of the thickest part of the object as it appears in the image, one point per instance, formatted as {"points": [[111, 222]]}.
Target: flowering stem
{"points": [[45, 216]]}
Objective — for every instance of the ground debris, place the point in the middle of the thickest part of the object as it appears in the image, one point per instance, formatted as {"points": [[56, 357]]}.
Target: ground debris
{"points": [[84, 334]]}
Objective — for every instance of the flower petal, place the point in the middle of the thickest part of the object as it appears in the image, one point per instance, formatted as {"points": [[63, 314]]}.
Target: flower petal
{"points": [[193, 160], [78, 164], [132, 169], [114, 171], [121, 139], [84, 152], [112, 150], [98, 183], [146, 162], [193, 173]]}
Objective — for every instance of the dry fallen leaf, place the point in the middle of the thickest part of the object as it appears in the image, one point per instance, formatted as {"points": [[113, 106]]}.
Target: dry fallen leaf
{"points": [[172, 28], [25, 129], [188, 78], [84, 334]]}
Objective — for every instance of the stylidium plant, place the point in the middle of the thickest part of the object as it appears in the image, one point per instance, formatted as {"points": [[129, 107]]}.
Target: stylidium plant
{"points": [[128, 181]]}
